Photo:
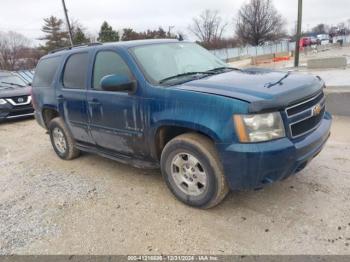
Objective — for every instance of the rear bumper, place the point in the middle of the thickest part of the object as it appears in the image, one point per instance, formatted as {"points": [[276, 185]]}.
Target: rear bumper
{"points": [[250, 166]]}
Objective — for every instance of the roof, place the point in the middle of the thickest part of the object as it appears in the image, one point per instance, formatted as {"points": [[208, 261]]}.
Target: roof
{"points": [[123, 44], [135, 43]]}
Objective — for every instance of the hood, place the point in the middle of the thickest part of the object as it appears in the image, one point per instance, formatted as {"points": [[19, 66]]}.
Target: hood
{"points": [[14, 91], [263, 89]]}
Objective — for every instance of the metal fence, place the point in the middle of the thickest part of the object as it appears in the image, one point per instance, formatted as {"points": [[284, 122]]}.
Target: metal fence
{"points": [[230, 53]]}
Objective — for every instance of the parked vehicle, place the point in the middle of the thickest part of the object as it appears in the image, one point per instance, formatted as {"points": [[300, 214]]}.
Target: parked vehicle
{"points": [[313, 41], [173, 105], [305, 41], [15, 98], [324, 39], [339, 40]]}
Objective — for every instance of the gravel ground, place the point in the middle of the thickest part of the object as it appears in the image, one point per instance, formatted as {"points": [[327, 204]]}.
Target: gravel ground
{"points": [[94, 205]]}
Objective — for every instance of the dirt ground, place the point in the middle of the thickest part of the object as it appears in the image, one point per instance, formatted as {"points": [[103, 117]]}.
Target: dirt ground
{"points": [[94, 205]]}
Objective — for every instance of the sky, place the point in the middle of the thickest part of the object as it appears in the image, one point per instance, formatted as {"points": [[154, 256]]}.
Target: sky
{"points": [[26, 16]]}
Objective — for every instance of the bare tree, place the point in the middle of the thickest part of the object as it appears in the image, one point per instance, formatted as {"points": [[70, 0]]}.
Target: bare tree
{"points": [[258, 21], [11, 45], [208, 27], [320, 29]]}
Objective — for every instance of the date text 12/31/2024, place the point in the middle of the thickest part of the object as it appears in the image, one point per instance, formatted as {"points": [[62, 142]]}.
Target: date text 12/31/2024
{"points": [[172, 258]]}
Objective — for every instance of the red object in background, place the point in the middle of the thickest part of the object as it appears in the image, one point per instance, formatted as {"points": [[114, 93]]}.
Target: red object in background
{"points": [[281, 58], [305, 41]]}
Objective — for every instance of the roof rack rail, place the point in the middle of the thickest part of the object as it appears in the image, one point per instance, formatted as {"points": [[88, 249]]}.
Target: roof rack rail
{"points": [[75, 46]]}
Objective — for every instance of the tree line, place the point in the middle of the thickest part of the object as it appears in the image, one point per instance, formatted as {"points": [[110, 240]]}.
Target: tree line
{"points": [[16, 51], [57, 37], [340, 29], [256, 22]]}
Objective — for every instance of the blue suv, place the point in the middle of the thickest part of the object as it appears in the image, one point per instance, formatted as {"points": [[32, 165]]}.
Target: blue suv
{"points": [[172, 104]]}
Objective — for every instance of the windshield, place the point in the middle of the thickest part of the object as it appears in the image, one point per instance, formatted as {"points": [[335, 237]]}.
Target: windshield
{"points": [[11, 81], [162, 61]]}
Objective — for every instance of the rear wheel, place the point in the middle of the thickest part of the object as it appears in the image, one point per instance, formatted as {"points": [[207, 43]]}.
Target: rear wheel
{"points": [[61, 139], [193, 172]]}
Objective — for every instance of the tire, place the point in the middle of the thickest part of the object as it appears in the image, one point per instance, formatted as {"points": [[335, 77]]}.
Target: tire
{"points": [[58, 127], [179, 158]]}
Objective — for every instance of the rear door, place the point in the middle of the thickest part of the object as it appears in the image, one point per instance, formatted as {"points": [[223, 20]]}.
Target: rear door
{"points": [[72, 95]]}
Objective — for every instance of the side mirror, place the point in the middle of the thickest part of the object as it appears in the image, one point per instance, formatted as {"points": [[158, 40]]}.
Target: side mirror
{"points": [[118, 83]]}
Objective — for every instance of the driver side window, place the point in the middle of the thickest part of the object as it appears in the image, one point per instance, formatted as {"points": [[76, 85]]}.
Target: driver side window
{"points": [[108, 63]]}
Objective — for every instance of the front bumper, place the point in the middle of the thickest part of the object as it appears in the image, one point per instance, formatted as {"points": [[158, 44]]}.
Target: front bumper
{"points": [[9, 111], [251, 166]]}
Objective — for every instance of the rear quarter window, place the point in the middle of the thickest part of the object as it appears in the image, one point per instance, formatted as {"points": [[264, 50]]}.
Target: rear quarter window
{"points": [[75, 71], [45, 71]]}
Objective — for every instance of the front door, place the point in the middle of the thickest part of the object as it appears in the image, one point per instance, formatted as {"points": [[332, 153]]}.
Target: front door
{"points": [[115, 122]]}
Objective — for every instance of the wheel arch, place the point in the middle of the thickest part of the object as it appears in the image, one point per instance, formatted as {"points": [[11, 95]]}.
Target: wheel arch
{"points": [[49, 113], [167, 131]]}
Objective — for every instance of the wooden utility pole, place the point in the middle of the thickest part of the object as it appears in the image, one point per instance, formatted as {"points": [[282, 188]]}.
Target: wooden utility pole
{"points": [[298, 36], [68, 24]]}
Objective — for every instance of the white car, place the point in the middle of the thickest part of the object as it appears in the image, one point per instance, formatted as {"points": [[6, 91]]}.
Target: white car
{"points": [[323, 39]]}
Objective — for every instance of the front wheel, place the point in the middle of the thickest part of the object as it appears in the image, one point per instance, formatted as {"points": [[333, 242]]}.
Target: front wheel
{"points": [[61, 139], [193, 172]]}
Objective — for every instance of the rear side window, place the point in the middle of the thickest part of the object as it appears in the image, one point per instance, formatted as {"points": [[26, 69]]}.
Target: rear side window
{"points": [[108, 63], [45, 71], [75, 71]]}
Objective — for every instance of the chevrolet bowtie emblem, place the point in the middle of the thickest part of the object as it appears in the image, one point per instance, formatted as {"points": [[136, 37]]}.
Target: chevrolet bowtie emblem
{"points": [[316, 110]]}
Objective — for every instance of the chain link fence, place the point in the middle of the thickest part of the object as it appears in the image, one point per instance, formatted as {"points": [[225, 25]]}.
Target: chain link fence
{"points": [[251, 51]]}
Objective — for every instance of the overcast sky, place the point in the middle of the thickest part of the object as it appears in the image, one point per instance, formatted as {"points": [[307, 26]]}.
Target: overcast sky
{"points": [[25, 16]]}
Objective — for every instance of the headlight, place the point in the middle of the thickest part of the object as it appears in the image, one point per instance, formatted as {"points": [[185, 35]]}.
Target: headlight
{"points": [[2, 101], [259, 127]]}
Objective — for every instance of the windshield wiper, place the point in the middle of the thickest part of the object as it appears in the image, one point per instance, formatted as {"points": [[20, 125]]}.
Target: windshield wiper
{"points": [[269, 85], [11, 84], [220, 69], [185, 74]]}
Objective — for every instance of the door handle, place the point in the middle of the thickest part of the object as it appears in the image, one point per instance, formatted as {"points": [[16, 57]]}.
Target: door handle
{"points": [[94, 102], [60, 98]]}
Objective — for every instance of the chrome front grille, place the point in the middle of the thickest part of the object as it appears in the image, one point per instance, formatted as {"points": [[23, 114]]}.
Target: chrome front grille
{"points": [[305, 116]]}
